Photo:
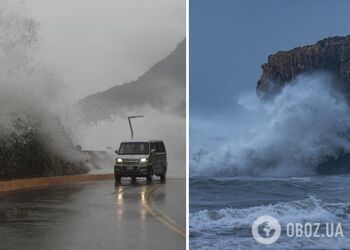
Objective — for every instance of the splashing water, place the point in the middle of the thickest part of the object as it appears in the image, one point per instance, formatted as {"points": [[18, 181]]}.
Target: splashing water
{"points": [[28, 88], [31, 93], [291, 134]]}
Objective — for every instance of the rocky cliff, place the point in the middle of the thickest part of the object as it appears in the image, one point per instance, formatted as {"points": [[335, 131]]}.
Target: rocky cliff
{"points": [[330, 54]]}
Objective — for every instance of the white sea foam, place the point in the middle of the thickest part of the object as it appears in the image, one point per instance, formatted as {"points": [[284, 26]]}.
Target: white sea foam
{"points": [[223, 224], [289, 135], [310, 209]]}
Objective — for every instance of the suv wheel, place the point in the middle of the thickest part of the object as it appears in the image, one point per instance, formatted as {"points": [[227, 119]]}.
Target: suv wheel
{"points": [[118, 180], [163, 175], [133, 179], [150, 174]]}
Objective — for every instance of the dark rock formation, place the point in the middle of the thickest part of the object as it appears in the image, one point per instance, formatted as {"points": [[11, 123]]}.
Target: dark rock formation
{"points": [[35, 150], [162, 87], [330, 54]]}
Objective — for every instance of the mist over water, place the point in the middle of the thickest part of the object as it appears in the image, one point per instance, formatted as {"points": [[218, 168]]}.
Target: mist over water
{"points": [[108, 134], [291, 134]]}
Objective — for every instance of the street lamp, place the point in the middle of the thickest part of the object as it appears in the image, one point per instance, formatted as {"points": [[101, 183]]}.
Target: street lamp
{"points": [[129, 119]]}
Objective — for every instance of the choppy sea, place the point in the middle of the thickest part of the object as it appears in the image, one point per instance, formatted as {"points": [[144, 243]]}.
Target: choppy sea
{"points": [[222, 210]]}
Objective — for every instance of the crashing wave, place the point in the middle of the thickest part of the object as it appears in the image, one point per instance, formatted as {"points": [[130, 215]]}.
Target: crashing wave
{"points": [[303, 130]]}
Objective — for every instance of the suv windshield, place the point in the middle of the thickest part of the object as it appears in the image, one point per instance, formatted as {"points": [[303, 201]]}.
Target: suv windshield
{"points": [[134, 148]]}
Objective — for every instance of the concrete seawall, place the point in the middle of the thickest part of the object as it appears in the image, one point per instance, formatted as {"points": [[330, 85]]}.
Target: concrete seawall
{"points": [[16, 185]]}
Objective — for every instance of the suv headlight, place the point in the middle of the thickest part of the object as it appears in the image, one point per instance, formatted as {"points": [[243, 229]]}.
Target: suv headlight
{"points": [[143, 160], [119, 160]]}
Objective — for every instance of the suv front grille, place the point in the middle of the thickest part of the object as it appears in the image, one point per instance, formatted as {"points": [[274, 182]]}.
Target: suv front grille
{"points": [[130, 168], [130, 161]]}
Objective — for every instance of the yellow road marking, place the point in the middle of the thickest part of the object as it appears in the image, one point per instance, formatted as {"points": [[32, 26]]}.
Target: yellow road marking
{"points": [[159, 214]]}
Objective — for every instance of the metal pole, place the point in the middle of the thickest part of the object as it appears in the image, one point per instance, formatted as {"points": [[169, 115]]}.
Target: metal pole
{"points": [[129, 119]]}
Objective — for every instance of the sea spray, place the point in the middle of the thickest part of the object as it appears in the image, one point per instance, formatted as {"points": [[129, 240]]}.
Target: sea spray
{"points": [[291, 134], [33, 141], [27, 87]]}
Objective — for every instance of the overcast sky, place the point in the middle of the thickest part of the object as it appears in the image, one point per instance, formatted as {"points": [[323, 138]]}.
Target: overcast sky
{"points": [[230, 40], [101, 43]]}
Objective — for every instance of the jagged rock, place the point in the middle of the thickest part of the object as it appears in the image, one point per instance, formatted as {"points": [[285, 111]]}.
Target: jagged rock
{"points": [[330, 54]]}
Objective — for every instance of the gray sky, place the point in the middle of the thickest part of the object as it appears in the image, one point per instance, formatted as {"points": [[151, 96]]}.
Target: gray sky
{"points": [[100, 43], [230, 40]]}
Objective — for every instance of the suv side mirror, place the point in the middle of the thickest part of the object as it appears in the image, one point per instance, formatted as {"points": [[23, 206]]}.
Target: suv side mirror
{"points": [[153, 151], [116, 151]]}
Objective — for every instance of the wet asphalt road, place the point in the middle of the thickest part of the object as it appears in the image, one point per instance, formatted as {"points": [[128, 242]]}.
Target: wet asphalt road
{"points": [[96, 215]]}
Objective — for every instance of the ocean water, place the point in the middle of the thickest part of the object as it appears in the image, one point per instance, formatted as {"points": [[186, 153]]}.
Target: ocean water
{"points": [[222, 210]]}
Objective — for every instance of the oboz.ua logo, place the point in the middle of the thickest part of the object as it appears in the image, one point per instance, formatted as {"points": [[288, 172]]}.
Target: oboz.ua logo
{"points": [[266, 230]]}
